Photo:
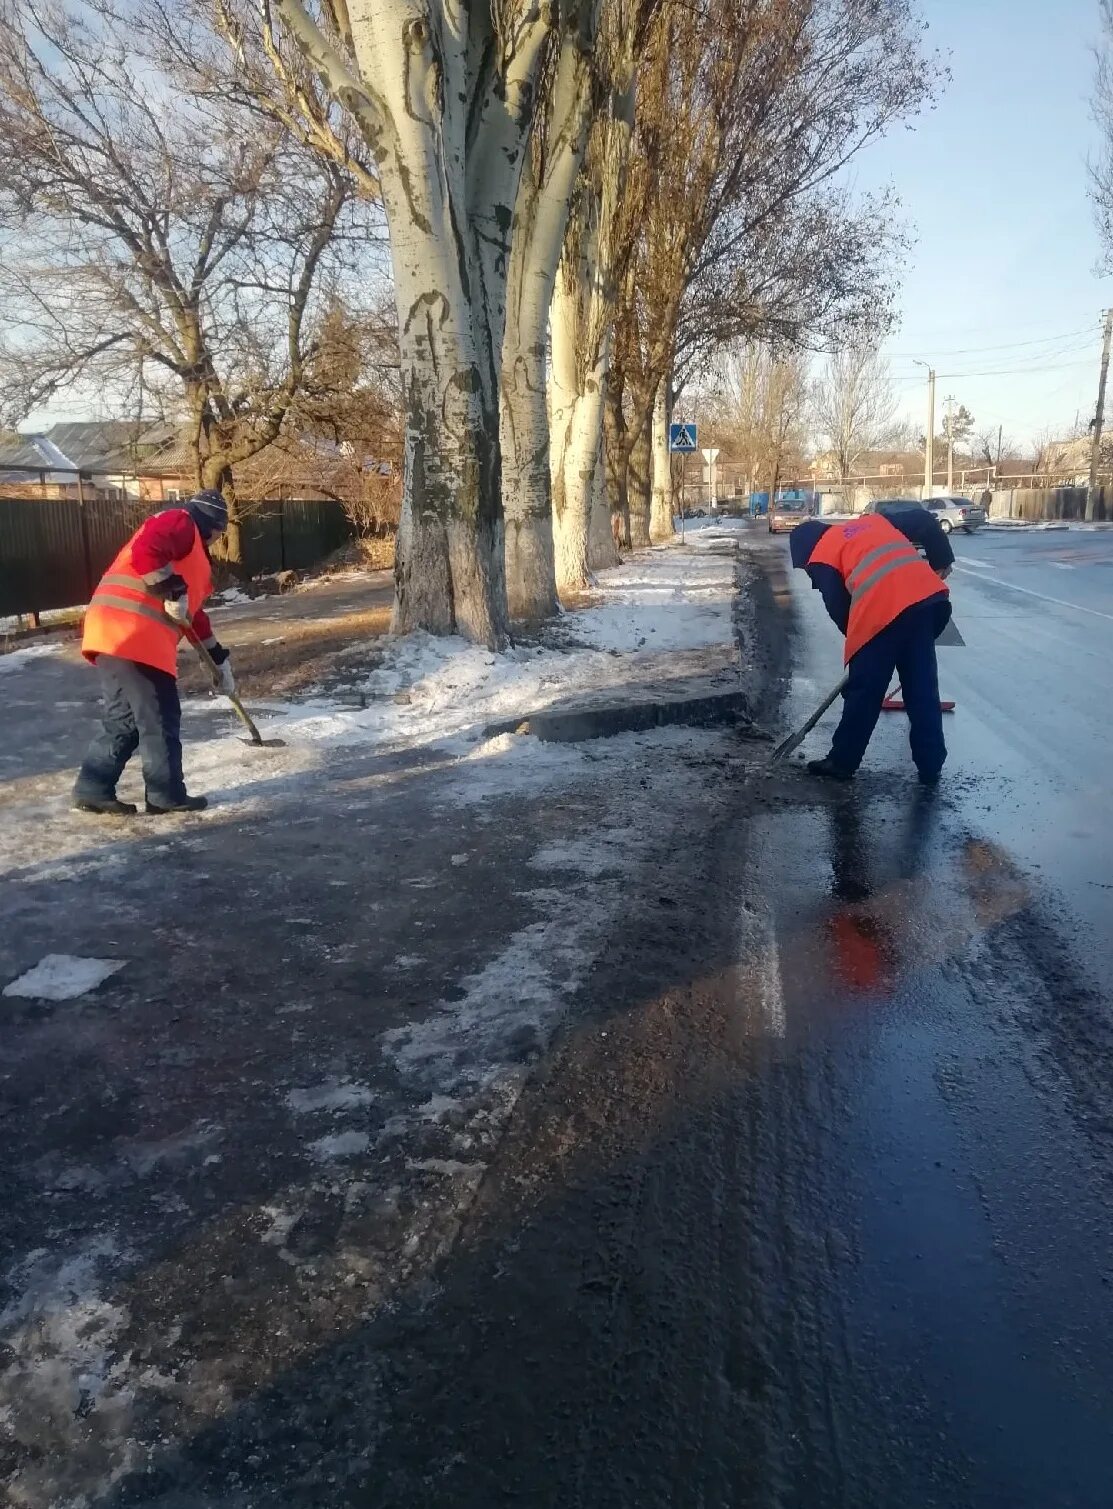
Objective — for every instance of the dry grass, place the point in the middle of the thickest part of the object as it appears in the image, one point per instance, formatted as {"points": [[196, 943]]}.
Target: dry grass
{"points": [[365, 553], [301, 654]]}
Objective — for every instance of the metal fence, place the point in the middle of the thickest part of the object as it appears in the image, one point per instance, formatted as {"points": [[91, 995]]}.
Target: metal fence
{"points": [[53, 551]]}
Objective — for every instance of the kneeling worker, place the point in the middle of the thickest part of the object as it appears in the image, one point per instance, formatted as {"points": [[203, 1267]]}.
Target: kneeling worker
{"points": [[892, 606], [155, 588]]}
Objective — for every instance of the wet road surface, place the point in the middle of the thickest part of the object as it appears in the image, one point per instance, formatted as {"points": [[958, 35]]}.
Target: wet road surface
{"points": [[815, 1208]]}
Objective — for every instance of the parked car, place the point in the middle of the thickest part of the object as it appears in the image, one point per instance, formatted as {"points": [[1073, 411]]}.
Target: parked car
{"points": [[786, 513], [952, 513]]}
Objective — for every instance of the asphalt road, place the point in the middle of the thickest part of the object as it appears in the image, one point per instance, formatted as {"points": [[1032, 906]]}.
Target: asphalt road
{"points": [[827, 1222], [811, 1206]]}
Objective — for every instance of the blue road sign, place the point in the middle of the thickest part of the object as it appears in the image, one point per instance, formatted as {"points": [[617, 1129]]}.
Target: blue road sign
{"points": [[683, 437]]}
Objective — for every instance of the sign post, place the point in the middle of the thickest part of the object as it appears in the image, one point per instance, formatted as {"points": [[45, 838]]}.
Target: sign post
{"points": [[683, 438], [710, 456]]}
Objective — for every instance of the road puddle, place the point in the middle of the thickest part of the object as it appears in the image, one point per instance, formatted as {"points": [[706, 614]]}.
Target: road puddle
{"points": [[863, 895]]}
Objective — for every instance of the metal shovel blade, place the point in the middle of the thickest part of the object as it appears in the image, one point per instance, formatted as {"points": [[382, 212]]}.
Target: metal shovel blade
{"points": [[794, 740]]}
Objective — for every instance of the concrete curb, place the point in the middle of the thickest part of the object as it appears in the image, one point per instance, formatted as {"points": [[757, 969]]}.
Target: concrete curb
{"points": [[694, 709]]}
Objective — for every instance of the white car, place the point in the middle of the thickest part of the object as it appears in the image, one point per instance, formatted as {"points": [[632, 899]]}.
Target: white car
{"points": [[952, 513]]}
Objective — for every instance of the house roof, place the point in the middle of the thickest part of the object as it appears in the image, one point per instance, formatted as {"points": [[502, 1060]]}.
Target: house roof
{"points": [[110, 446], [22, 456], [159, 451], [1074, 455], [87, 442], [127, 448]]}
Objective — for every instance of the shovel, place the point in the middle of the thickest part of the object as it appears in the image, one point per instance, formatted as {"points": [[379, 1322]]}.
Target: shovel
{"points": [[786, 746], [256, 741]]}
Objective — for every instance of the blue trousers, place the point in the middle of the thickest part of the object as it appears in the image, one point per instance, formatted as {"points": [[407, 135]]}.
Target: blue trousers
{"points": [[141, 710], [907, 647]]}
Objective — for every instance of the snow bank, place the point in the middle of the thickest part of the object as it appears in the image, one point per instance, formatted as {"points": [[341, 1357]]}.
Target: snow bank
{"points": [[15, 660], [670, 604], [663, 615]]}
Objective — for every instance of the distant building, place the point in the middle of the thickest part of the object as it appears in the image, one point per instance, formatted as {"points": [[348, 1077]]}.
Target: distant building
{"points": [[895, 466], [114, 458], [153, 463], [1069, 460]]}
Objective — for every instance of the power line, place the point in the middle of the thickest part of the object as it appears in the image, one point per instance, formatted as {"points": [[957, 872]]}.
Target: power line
{"points": [[1086, 361], [1046, 361], [1042, 340], [1024, 360]]}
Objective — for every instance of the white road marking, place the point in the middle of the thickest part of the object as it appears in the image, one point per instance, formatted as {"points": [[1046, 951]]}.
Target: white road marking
{"points": [[1027, 591], [772, 987], [1063, 565], [760, 960], [968, 560]]}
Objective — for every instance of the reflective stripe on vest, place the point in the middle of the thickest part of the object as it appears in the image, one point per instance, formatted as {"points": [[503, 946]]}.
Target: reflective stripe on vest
{"points": [[882, 571], [127, 619], [898, 558], [876, 554], [129, 605]]}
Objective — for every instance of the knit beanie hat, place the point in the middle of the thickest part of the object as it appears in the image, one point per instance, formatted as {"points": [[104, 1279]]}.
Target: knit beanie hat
{"points": [[208, 511]]}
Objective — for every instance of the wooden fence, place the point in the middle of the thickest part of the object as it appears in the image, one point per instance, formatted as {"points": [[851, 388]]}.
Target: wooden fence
{"points": [[53, 550], [1041, 505]]}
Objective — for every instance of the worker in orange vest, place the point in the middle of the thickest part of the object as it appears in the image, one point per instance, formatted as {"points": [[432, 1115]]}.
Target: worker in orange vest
{"points": [[892, 605], [154, 589]]}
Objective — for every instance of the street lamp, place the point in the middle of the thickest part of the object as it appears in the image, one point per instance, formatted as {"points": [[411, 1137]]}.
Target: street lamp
{"points": [[929, 447]]}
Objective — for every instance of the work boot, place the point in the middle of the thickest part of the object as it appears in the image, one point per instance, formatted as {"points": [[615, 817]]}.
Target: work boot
{"points": [[828, 771], [104, 806], [187, 804], [930, 777]]}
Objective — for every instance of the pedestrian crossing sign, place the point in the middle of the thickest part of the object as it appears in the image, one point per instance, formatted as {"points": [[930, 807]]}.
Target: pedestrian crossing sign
{"points": [[683, 437]]}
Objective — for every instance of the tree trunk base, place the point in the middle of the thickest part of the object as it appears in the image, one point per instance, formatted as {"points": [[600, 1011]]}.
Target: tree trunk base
{"points": [[530, 578], [447, 581]]}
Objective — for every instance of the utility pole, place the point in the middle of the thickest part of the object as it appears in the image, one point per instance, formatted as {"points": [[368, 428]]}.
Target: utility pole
{"points": [[929, 448], [949, 400], [1099, 415]]}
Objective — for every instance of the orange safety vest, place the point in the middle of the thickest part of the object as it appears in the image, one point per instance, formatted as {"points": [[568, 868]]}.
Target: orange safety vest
{"points": [[883, 572], [127, 619]]}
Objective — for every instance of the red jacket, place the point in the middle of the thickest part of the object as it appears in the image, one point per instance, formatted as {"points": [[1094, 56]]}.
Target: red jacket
{"points": [[164, 559], [158, 543]]}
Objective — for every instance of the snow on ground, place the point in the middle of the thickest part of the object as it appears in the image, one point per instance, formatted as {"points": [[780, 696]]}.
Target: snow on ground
{"points": [[463, 1056], [14, 660], [231, 597], [663, 614], [444, 692], [62, 977]]}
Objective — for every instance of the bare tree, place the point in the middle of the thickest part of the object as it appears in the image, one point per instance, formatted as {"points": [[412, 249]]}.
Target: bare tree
{"points": [[160, 247], [757, 404], [746, 115], [556, 152], [1101, 167], [584, 304], [854, 404]]}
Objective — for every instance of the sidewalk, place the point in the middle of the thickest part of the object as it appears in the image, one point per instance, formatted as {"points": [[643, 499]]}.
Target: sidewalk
{"points": [[326, 995]]}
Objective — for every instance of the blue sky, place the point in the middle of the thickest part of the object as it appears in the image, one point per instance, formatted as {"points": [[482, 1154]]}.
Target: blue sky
{"points": [[993, 186]]}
